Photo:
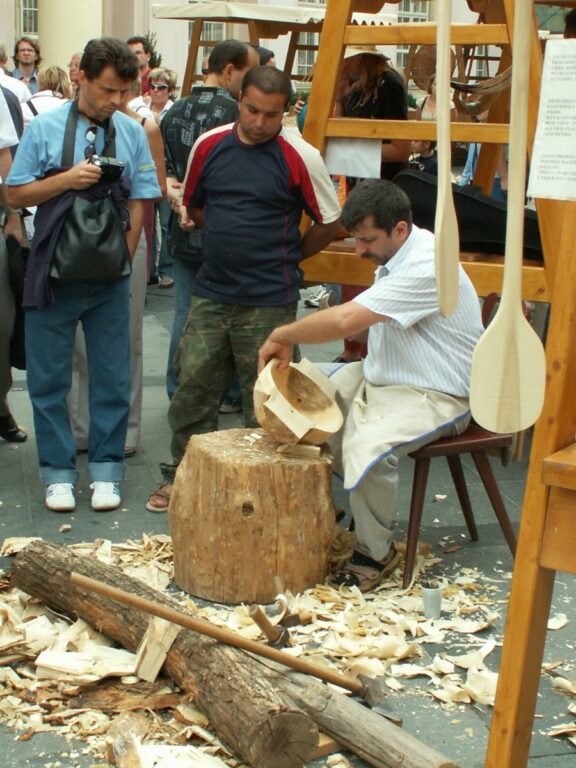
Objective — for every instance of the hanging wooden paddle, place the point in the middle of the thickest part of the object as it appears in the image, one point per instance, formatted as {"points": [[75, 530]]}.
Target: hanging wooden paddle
{"points": [[509, 365], [447, 248]]}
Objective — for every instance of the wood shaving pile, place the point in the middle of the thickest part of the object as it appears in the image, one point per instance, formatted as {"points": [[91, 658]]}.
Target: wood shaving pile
{"points": [[63, 676]]}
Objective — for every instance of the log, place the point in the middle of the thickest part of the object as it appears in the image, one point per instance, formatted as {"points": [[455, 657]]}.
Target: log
{"points": [[222, 678], [367, 734], [240, 514], [254, 718]]}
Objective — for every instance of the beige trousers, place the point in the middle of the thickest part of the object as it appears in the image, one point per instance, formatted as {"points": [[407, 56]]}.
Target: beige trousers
{"points": [[382, 425]]}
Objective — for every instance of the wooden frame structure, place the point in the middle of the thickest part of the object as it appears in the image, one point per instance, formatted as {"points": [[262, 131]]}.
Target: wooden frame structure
{"points": [[262, 22], [547, 537], [485, 272]]}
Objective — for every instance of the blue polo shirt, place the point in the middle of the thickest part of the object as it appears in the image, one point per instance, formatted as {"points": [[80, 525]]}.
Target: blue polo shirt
{"points": [[40, 151]]}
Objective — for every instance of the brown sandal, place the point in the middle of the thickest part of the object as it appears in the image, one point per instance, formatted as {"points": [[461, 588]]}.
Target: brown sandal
{"points": [[163, 493], [363, 572]]}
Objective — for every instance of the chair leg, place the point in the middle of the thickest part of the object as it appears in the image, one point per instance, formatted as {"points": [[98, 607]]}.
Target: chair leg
{"points": [[463, 497], [485, 471], [419, 482]]}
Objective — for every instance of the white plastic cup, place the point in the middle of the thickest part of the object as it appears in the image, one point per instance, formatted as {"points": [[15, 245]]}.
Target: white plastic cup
{"points": [[432, 599]]}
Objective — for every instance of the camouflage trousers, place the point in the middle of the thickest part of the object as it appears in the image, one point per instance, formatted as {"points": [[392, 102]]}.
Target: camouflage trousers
{"points": [[218, 340]]}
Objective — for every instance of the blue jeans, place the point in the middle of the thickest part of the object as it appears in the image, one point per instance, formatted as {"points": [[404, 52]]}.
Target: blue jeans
{"points": [[103, 310], [164, 248], [184, 278]]}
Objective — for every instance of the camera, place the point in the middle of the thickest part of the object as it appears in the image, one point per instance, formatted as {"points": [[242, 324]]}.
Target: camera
{"points": [[111, 167]]}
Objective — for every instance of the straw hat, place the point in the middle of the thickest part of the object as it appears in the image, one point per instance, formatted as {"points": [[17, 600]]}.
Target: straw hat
{"points": [[356, 50]]}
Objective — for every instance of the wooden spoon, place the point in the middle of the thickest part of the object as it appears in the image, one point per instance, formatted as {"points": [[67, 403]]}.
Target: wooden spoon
{"points": [[447, 247], [509, 365]]}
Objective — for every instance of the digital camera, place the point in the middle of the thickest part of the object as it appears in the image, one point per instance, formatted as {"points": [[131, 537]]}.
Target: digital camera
{"points": [[111, 167]]}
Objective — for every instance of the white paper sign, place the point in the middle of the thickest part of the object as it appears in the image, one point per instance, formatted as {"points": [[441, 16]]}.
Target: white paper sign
{"points": [[354, 157], [553, 164]]}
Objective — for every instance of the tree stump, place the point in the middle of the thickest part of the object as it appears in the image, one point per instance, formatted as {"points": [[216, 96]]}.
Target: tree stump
{"points": [[241, 513]]}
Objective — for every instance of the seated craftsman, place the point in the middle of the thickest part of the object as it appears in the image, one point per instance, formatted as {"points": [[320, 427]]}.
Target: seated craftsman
{"points": [[413, 386]]}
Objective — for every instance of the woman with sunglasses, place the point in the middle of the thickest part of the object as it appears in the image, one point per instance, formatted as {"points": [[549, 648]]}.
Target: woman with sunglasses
{"points": [[162, 84]]}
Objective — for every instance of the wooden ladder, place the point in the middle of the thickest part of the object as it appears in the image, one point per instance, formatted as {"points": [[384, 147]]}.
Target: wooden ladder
{"points": [[337, 32], [547, 536]]}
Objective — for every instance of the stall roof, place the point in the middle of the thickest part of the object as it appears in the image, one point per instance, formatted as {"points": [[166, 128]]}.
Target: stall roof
{"points": [[220, 10]]}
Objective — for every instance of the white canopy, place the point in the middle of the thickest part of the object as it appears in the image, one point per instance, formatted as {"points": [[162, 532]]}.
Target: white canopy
{"points": [[221, 10]]}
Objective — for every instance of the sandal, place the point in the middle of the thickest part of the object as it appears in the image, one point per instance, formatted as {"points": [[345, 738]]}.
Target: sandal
{"points": [[162, 495], [363, 572]]}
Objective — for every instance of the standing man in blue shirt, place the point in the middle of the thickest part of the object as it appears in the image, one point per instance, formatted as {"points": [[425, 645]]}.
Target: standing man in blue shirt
{"points": [[107, 70], [27, 60]]}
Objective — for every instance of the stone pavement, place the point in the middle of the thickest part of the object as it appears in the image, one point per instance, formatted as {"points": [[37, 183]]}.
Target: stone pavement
{"points": [[460, 733]]}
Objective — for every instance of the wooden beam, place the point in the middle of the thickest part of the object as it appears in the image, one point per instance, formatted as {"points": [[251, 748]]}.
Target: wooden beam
{"points": [[532, 583], [559, 542], [339, 264], [192, 56], [425, 34], [348, 127], [560, 469]]}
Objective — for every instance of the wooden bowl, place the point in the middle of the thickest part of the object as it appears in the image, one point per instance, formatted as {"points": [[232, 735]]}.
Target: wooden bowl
{"points": [[296, 405]]}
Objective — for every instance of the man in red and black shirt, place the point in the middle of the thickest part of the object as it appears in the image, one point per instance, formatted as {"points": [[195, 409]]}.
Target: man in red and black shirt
{"points": [[209, 105], [247, 186]]}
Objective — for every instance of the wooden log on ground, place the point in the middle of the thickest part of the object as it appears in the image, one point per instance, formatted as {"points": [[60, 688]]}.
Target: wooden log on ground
{"points": [[241, 514], [223, 678], [252, 716], [364, 732]]}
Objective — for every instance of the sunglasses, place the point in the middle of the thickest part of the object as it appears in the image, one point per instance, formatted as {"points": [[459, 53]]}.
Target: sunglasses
{"points": [[205, 71], [90, 137], [154, 87]]}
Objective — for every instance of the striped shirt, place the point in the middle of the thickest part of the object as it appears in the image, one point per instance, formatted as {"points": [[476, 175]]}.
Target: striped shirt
{"points": [[415, 345]]}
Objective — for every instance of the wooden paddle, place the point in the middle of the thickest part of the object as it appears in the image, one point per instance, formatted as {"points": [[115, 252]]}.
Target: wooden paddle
{"points": [[447, 248], [509, 365]]}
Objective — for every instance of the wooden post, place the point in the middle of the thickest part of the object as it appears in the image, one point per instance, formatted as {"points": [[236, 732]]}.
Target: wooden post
{"points": [[240, 514]]}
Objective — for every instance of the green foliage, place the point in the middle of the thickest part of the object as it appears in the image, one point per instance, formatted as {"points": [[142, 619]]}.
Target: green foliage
{"points": [[155, 57], [412, 102]]}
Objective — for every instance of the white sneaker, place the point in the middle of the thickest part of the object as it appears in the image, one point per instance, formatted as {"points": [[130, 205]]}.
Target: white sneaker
{"points": [[106, 496], [60, 497], [313, 300], [327, 300]]}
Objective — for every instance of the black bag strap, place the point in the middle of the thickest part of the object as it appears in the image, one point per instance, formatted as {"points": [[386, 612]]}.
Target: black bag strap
{"points": [[31, 107], [70, 137]]}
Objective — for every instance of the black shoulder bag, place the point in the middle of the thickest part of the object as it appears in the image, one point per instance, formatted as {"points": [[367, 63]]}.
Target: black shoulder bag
{"points": [[92, 244]]}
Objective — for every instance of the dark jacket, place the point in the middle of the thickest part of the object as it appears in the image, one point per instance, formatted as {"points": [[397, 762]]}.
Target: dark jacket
{"points": [[47, 227]]}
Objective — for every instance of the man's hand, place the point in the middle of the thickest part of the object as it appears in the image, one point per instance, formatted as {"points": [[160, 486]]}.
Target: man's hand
{"points": [[13, 226], [83, 175], [274, 350], [184, 220], [174, 193]]}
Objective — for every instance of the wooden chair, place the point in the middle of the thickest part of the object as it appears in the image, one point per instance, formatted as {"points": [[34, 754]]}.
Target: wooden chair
{"points": [[475, 441]]}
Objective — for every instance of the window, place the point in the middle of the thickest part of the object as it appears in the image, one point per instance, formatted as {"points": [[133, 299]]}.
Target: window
{"points": [[29, 17], [306, 58], [410, 11], [212, 32]]}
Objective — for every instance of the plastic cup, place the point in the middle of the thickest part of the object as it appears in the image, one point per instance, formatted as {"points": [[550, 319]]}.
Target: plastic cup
{"points": [[432, 598]]}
